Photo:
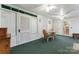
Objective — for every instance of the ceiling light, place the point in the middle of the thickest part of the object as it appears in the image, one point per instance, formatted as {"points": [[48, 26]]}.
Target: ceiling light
{"points": [[47, 9], [61, 12], [61, 17]]}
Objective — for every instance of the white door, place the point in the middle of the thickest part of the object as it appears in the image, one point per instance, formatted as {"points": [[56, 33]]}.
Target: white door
{"points": [[34, 28], [23, 28], [0, 18], [8, 20]]}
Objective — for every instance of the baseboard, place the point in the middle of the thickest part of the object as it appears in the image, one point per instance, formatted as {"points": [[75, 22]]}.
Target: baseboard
{"points": [[26, 42], [64, 35]]}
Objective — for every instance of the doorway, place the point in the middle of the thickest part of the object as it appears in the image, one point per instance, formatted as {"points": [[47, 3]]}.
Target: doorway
{"points": [[66, 28]]}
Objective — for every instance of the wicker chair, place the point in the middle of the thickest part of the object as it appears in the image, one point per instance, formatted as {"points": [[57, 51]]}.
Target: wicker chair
{"points": [[46, 36]]}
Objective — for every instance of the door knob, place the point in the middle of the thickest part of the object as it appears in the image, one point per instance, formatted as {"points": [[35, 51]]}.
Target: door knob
{"points": [[18, 30]]}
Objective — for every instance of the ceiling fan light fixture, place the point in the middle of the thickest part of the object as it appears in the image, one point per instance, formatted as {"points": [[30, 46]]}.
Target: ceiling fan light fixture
{"points": [[50, 7]]}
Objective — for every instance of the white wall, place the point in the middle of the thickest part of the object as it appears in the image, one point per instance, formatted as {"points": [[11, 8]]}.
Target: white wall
{"points": [[49, 25], [41, 24], [74, 25], [58, 24]]}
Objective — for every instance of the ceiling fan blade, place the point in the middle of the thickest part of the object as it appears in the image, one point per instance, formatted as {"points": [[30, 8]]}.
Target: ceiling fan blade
{"points": [[69, 12]]}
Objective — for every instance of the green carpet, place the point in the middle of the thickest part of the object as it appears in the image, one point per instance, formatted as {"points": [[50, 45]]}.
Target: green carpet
{"points": [[61, 45]]}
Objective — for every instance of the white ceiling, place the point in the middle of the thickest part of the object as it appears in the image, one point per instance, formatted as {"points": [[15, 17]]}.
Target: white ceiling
{"points": [[70, 10]]}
